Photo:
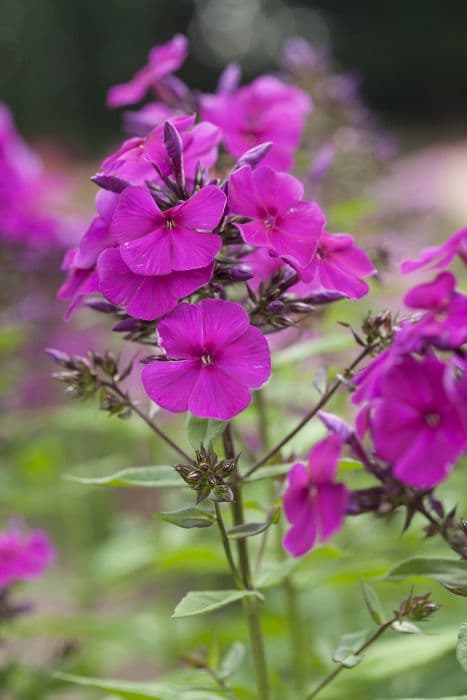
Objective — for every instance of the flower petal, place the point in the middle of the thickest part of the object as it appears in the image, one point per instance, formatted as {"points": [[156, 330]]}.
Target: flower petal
{"points": [[136, 215], [217, 396], [203, 210], [302, 535], [324, 457], [170, 384], [191, 249], [247, 359], [151, 254], [223, 322], [330, 504]]}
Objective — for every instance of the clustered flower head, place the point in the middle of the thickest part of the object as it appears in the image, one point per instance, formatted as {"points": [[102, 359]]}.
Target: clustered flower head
{"points": [[23, 555], [178, 235]]}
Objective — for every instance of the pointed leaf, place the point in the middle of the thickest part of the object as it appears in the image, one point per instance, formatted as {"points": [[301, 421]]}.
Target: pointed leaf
{"points": [[203, 430], [405, 627], [251, 529], [188, 517], [156, 477], [274, 574], [373, 603], [202, 602], [452, 573], [349, 644], [461, 650], [232, 660]]}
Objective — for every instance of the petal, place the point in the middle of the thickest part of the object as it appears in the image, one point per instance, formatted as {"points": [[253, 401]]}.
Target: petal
{"points": [[432, 295], [136, 215], [298, 232], [330, 504], [247, 359], [151, 254], [256, 233], [324, 457], [217, 396], [296, 496], [223, 322], [130, 92], [243, 197], [203, 210], [335, 278], [277, 191], [302, 535], [95, 240], [428, 460], [170, 384], [191, 249], [181, 332]]}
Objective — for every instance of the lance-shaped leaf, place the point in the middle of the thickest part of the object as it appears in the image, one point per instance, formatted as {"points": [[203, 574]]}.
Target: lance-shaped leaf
{"points": [[239, 532], [156, 477], [202, 602], [373, 603], [452, 573], [232, 660], [349, 644], [189, 517], [203, 430]]}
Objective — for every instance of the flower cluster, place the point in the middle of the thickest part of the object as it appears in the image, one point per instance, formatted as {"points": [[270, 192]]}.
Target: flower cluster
{"points": [[23, 555], [171, 227]]}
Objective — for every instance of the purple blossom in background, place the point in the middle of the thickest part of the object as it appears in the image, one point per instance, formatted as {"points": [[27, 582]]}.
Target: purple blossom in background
{"points": [[214, 358], [266, 110], [180, 238], [419, 420], [435, 257], [281, 220], [162, 60], [140, 122], [23, 555], [314, 503], [339, 265]]}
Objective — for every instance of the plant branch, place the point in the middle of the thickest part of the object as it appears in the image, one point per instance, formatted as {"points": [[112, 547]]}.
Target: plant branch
{"points": [[311, 414], [226, 545]]}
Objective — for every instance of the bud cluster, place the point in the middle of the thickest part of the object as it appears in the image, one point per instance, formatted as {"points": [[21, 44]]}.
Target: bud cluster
{"points": [[417, 608], [207, 475]]}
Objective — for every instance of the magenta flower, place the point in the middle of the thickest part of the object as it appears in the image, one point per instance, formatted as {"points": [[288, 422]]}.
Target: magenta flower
{"points": [[339, 266], [146, 296], [439, 256], [265, 110], [162, 60], [155, 242], [23, 555], [419, 421], [214, 358], [282, 221], [78, 284], [314, 503], [445, 322]]}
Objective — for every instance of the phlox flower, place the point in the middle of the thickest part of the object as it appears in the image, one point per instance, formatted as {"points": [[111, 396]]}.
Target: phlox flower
{"points": [[419, 420], [155, 242], [266, 110], [435, 257], [23, 555], [314, 503], [214, 358], [162, 60], [281, 220]]}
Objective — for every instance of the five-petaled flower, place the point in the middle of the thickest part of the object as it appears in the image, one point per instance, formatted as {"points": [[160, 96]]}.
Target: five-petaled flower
{"points": [[314, 503], [214, 358]]}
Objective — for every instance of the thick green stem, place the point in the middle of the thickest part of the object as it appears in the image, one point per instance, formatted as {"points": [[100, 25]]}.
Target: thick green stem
{"points": [[250, 604]]}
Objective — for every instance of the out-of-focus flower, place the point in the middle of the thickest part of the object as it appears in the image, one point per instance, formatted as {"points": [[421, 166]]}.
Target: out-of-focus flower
{"points": [[155, 242], [23, 555], [314, 503], [339, 265], [281, 220], [266, 110], [435, 257], [214, 358], [419, 420], [162, 60]]}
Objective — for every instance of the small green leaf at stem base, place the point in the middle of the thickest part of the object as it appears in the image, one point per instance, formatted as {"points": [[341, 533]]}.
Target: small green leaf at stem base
{"points": [[345, 653], [188, 517]]}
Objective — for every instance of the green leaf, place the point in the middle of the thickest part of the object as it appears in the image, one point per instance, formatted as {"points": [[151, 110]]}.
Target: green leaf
{"points": [[349, 465], [202, 602], [251, 529], [452, 573], [406, 627], [156, 477], [270, 471], [232, 660], [188, 517], [461, 650], [140, 691], [203, 430], [349, 644], [373, 603], [273, 574]]}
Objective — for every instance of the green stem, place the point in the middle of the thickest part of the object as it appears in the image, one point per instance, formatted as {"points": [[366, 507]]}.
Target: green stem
{"points": [[329, 678], [311, 414], [226, 545], [250, 604]]}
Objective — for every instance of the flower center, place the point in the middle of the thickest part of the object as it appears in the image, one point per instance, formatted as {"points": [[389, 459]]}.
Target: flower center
{"points": [[270, 222], [206, 360], [170, 224], [432, 419]]}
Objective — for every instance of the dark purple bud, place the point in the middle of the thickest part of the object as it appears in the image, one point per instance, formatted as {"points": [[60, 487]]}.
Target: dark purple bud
{"points": [[336, 425], [102, 306], [365, 500], [275, 306], [110, 182], [61, 357], [240, 274], [254, 156], [324, 297], [126, 325], [174, 145], [299, 307], [229, 79]]}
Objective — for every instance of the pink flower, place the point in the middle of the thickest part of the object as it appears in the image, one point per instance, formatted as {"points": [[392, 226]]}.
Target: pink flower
{"points": [[314, 503], [439, 256], [214, 358], [23, 555], [162, 60], [339, 266], [150, 296], [266, 110], [155, 242], [78, 284], [419, 421], [281, 220]]}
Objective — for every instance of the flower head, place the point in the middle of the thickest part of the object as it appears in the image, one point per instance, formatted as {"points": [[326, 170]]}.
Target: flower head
{"points": [[314, 503], [214, 358], [281, 220], [23, 555], [162, 60]]}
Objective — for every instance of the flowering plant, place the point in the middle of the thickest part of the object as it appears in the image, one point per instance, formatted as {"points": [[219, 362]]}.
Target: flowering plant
{"points": [[207, 252]]}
